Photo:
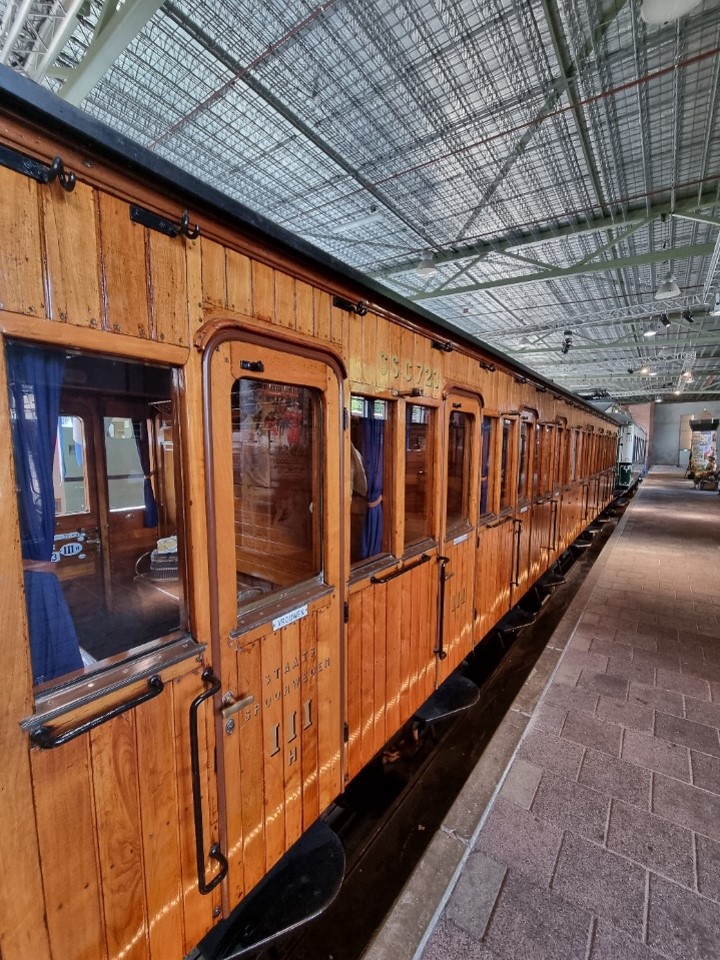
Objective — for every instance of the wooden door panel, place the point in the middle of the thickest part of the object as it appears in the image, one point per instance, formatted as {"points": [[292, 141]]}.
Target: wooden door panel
{"points": [[493, 572]]}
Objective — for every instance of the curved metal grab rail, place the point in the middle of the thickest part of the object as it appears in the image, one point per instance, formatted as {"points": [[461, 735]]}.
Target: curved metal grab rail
{"points": [[46, 739], [398, 573], [214, 853]]}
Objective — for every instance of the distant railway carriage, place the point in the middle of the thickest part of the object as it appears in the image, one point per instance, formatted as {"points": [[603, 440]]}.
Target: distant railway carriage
{"points": [[254, 512], [632, 452]]}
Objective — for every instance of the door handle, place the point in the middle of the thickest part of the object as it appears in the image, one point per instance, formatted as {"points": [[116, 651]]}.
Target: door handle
{"points": [[233, 706]]}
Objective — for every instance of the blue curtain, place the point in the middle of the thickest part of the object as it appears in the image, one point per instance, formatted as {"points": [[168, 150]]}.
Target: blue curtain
{"points": [[373, 450], [35, 378], [143, 448]]}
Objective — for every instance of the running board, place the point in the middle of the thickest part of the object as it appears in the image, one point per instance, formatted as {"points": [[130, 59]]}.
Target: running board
{"points": [[454, 695], [298, 888]]}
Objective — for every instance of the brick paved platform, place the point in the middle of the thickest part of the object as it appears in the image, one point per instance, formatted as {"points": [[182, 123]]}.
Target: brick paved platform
{"points": [[603, 840]]}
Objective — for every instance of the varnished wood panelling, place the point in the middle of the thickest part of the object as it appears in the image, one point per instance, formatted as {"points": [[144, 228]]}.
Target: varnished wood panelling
{"points": [[63, 795], [393, 640], [73, 255], [273, 748], [21, 280], [292, 709], [155, 733], [247, 840], [263, 291], [168, 287], [310, 772], [329, 706], [356, 629], [214, 287], [304, 308], [285, 306], [380, 692], [367, 678], [117, 812], [239, 282], [356, 348], [323, 308], [197, 909], [125, 281]]}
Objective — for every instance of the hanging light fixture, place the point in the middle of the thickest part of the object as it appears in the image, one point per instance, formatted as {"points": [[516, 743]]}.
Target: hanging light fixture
{"points": [[715, 312], [668, 289], [651, 331], [665, 320], [427, 266], [658, 12]]}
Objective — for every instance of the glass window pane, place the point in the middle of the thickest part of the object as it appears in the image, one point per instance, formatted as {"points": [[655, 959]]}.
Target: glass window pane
{"points": [[126, 480], [69, 478], [522, 487], [419, 423], [277, 486], [488, 437], [458, 469], [370, 480], [99, 584], [507, 428]]}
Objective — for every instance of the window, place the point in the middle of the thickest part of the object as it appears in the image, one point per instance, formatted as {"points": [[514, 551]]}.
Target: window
{"points": [[276, 456], [370, 478], [419, 447], [69, 466], [487, 492], [522, 485], [457, 507], [101, 581], [126, 478], [505, 465], [538, 478]]}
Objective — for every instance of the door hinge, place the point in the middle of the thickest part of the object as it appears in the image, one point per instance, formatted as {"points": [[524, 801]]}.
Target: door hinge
{"points": [[346, 612], [346, 733]]}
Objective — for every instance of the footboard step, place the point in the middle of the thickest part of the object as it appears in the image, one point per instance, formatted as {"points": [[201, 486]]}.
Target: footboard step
{"points": [[515, 620], [456, 694], [298, 888]]}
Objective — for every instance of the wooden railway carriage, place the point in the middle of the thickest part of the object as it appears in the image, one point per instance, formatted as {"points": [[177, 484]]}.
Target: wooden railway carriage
{"points": [[253, 513]]}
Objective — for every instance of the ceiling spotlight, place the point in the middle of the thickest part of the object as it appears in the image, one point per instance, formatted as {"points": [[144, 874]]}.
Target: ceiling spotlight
{"points": [[426, 267], [665, 320], [715, 312], [650, 332], [567, 340], [687, 315], [645, 370], [658, 399], [668, 288], [677, 391], [659, 12]]}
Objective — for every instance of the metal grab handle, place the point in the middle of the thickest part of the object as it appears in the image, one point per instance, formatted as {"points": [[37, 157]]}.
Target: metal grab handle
{"points": [[555, 504], [517, 532], [235, 706], [398, 573], [491, 526], [439, 650], [214, 853], [45, 738]]}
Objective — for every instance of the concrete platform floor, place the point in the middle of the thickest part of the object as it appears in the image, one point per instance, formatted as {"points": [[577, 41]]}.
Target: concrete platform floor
{"points": [[602, 840]]}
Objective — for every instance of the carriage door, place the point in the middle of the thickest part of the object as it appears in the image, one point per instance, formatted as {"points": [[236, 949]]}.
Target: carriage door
{"points": [[522, 521], [275, 548], [457, 562]]}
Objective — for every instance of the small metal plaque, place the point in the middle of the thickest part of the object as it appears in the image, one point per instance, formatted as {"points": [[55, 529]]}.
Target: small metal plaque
{"points": [[287, 618]]}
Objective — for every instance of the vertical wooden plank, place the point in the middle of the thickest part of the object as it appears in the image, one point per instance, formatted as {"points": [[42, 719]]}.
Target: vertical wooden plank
{"points": [[322, 314], [213, 273], [369, 326], [339, 320], [155, 734], [367, 676], [125, 279], [197, 909], [73, 255], [263, 279], [405, 631], [379, 659], [355, 347], [382, 354], [194, 280], [273, 740], [168, 287], [117, 813], [21, 280], [292, 708], [285, 307], [239, 282], [308, 686], [250, 734], [231, 747], [328, 668], [304, 307], [66, 827], [353, 671], [23, 931], [392, 672]]}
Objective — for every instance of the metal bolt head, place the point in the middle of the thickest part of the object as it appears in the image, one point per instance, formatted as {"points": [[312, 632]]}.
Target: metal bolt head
{"points": [[230, 726]]}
